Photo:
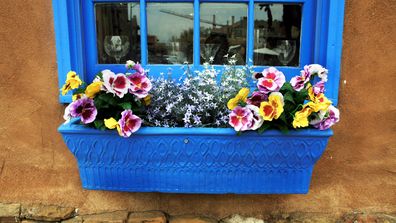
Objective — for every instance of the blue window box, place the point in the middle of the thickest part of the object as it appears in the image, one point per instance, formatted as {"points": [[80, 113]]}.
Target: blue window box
{"points": [[196, 160]]}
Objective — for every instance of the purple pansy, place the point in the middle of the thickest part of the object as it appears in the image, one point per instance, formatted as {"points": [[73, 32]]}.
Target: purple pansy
{"points": [[326, 119], [83, 108], [256, 98], [298, 82], [319, 87]]}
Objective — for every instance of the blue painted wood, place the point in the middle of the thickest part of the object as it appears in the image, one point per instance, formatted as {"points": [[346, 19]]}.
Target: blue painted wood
{"points": [[196, 160], [143, 33], [196, 33], [62, 39], [250, 34]]}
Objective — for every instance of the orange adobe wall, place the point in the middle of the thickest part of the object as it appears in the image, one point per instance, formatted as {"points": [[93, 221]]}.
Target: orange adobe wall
{"points": [[357, 171]]}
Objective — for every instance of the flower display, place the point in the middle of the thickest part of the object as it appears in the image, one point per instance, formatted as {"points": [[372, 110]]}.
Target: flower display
{"points": [[282, 105], [271, 81], [127, 101], [109, 97]]}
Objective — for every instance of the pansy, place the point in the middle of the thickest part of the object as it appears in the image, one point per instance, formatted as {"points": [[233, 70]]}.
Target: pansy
{"points": [[273, 108], [73, 81], [317, 102], [115, 83], [257, 120], [318, 88], [326, 119], [93, 89], [317, 69], [271, 81], [298, 82], [256, 98], [140, 85], [241, 118], [129, 123], [83, 108], [301, 117], [138, 68], [129, 64], [77, 96], [240, 97]]}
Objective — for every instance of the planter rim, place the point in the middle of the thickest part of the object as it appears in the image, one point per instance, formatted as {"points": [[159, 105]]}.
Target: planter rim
{"points": [[74, 127]]}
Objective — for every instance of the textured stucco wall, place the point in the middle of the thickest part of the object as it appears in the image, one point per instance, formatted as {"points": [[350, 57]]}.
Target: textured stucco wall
{"points": [[357, 171]]}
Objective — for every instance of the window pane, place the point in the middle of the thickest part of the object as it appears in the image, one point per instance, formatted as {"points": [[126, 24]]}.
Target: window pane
{"points": [[277, 30], [118, 32], [223, 31], [170, 33]]}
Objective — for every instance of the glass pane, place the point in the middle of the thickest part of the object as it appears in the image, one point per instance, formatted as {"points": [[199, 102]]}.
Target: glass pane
{"points": [[277, 30], [170, 33], [223, 31], [118, 32]]}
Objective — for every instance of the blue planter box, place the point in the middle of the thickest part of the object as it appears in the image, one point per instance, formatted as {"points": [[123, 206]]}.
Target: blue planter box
{"points": [[196, 160]]}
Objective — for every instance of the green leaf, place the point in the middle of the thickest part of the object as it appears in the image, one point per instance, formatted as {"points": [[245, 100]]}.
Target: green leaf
{"points": [[264, 126], [126, 105], [289, 97], [99, 124]]}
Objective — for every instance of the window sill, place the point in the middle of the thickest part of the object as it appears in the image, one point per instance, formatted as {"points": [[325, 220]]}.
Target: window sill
{"points": [[196, 160]]}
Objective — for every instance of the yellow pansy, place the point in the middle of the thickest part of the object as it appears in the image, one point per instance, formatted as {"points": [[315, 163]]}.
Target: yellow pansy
{"points": [[318, 102], [73, 81], [93, 89], [273, 108], [241, 96], [111, 123], [147, 100], [301, 117]]}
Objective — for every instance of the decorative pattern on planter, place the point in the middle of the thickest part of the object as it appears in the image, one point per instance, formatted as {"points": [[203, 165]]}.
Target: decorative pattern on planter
{"points": [[196, 160]]}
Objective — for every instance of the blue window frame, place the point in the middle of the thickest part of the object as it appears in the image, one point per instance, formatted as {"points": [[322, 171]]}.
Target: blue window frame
{"points": [[321, 38]]}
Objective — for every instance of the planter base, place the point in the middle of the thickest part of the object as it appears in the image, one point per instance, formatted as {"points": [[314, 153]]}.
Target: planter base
{"points": [[197, 160]]}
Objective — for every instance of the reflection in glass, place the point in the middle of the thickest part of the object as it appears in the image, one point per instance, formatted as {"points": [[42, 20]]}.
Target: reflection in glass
{"points": [[170, 33], [118, 32], [277, 30], [223, 31]]}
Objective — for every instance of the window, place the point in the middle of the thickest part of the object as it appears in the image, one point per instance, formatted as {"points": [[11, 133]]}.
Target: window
{"points": [[92, 35]]}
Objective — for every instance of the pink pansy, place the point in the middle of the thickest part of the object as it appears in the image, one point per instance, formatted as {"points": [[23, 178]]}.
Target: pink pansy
{"points": [[298, 82], [138, 68], [140, 85], [115, 83], [256, 98], [326, 119], [83, 108], [272, 80], [319, 87], [129, 123], [257, 120], [241, 118], [317, 69]]}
